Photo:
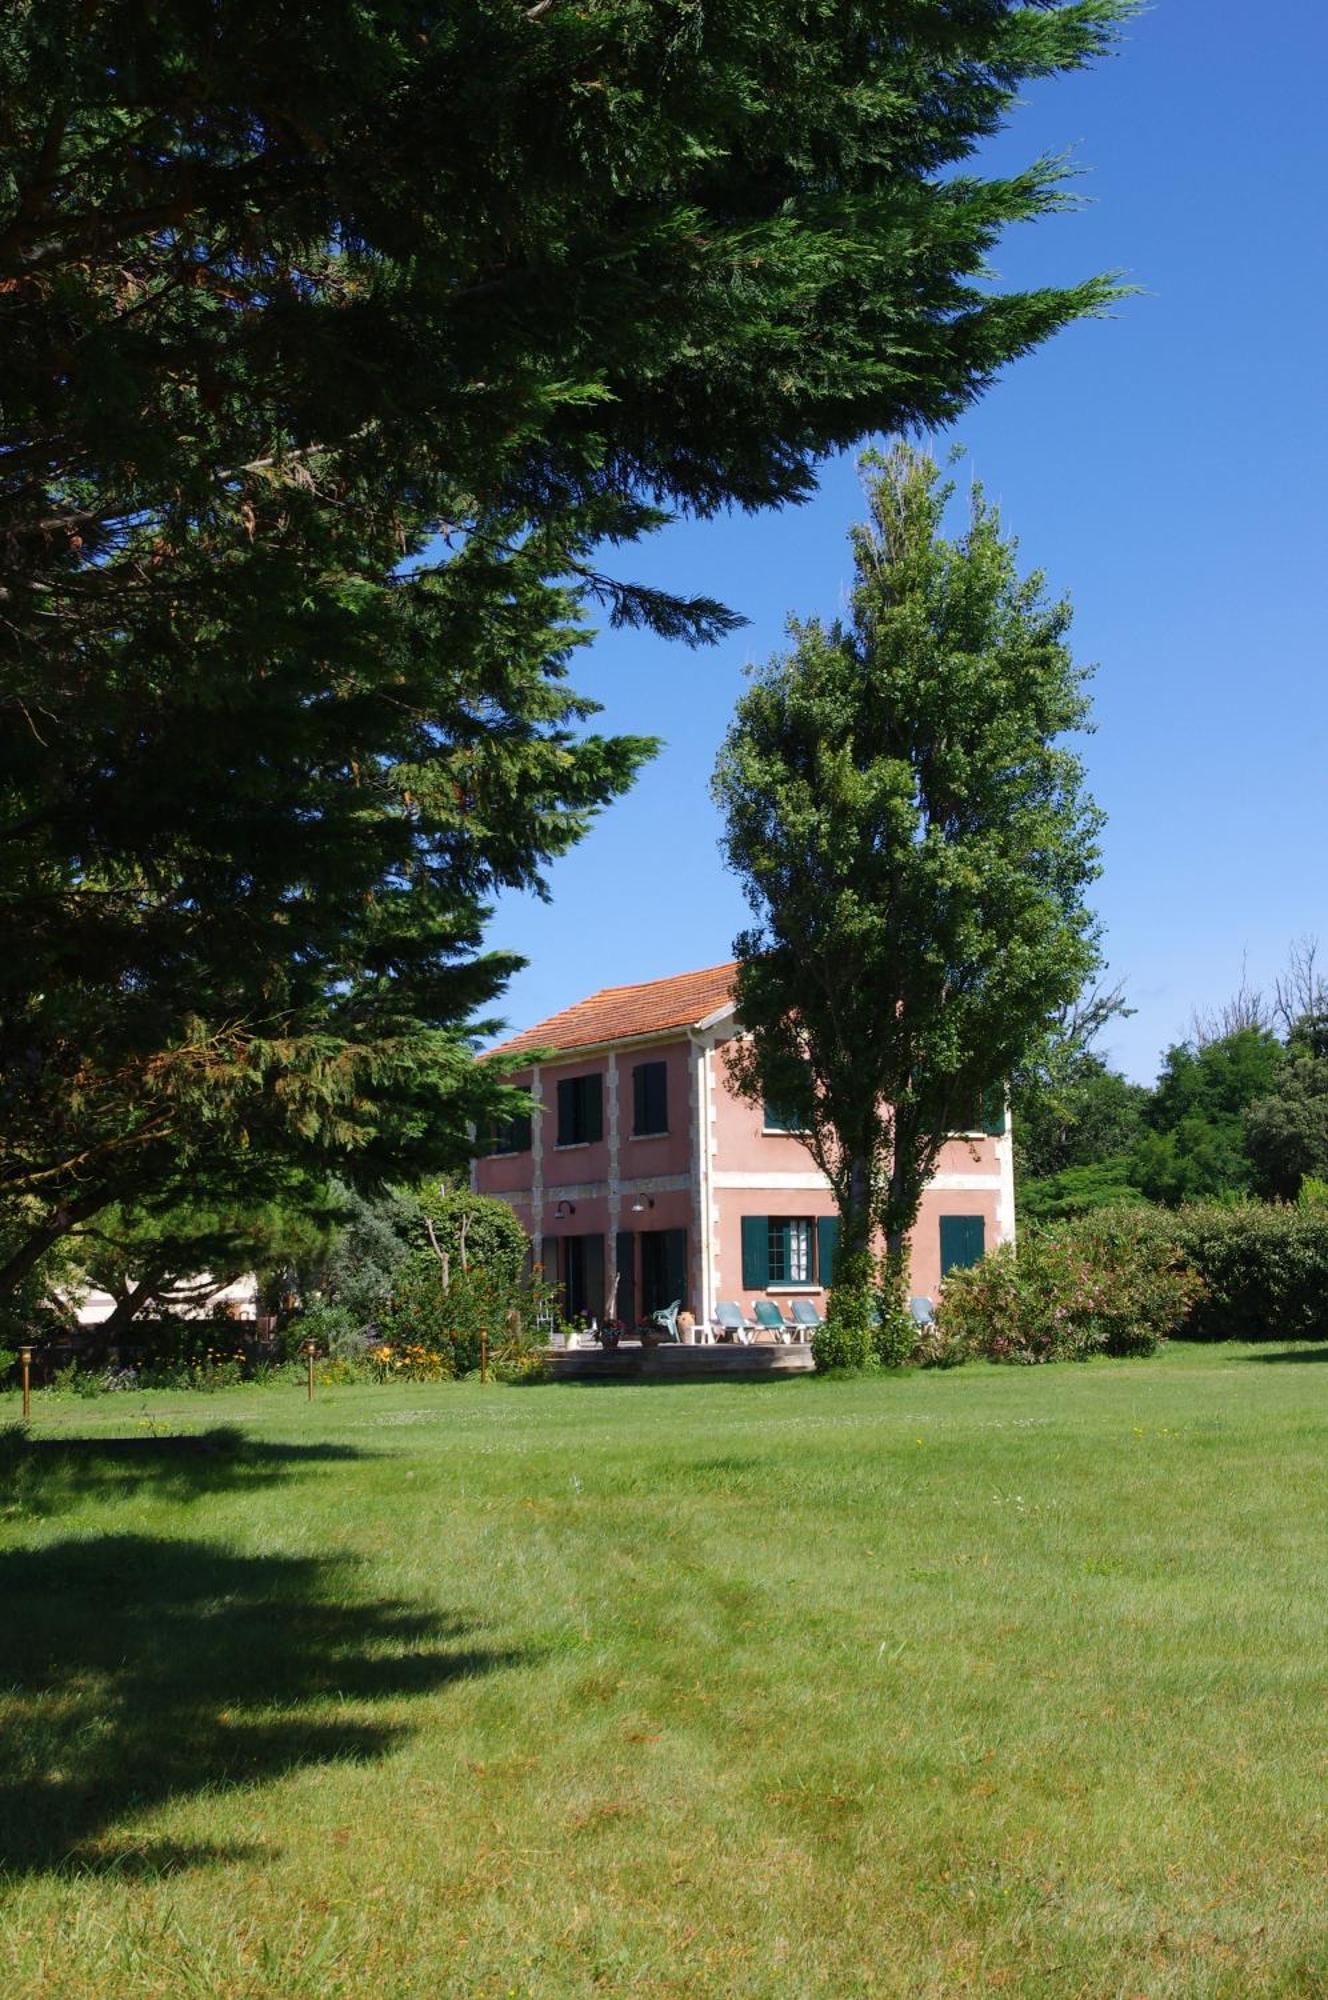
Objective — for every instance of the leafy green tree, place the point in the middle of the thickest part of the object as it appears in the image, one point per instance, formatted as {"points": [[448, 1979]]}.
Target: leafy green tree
{"points": [[1286, 1133], [1076, 1119], [1194, 1147], [1071, 1109], [440, 1232], [915, 845], [338, 337]]}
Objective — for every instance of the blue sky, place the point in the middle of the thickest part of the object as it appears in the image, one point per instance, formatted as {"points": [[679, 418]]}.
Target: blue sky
{"points": [[1168, 468]]}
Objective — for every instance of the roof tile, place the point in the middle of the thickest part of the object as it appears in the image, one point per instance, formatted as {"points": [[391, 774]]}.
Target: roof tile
{"points": [[618, 1013]]}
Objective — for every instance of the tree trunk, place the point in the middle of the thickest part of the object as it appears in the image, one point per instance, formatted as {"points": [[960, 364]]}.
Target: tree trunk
{"points": [[129, 1303], [23, 1261], [901, 1212], [848, 1338]]}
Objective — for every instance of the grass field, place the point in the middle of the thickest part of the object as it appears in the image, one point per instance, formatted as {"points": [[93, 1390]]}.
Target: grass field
{"points": [[991, 1681]]}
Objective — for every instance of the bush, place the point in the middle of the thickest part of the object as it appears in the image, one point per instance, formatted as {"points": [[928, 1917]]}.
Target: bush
{"points": [[1264, 1270], [1114, 1282], [434, 1333], [845, 1341], [894, 1333]]}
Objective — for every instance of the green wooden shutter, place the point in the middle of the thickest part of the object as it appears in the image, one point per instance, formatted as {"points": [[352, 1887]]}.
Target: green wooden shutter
{"points": [[755, 1252], [650, 1098], [993, 1110], [593, 1101], [627, 1277], [963, 1241], [592, 1278], [675, 1266], [567, 1112], [827, 1243]]}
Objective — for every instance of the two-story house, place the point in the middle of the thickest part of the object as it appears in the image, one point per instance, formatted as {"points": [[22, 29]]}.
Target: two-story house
{"points": [[643, 1178]]}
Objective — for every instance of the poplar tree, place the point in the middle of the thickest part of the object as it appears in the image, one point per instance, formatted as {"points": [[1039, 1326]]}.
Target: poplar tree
{"points": [[341, 338], [915, 844]]}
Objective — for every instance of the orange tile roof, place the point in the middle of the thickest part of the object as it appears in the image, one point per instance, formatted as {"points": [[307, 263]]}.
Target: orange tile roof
{"points": [[617, 1013]]}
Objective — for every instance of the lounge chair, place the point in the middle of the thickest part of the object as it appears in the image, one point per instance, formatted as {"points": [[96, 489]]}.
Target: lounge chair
{"points": [[662, 1324], [731, 1323], [772, 1320], [806, 1317], [920, 1311]]}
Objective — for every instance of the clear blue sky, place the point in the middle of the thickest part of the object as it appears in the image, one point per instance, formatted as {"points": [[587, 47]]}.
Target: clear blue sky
{"points": [[1168, 468]]}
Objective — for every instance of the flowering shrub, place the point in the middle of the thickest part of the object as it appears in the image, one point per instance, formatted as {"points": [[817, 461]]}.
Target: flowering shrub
{"points": [[212, 1369], [431, 1332], [1113, 1282], [412, 1363]]}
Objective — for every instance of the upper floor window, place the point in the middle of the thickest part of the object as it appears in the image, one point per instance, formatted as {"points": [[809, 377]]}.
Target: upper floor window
{"points": [[511, 1135], [650, 1099], [987, 1114], [580, 1110], [774, 1119]]}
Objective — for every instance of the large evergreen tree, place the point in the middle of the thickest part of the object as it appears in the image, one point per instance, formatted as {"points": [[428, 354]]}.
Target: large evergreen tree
{"points": [[914, 843], [338, 338]]}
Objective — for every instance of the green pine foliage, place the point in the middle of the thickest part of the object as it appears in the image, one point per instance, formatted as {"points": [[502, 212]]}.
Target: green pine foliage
{"points": [[170, 1255], [340, 340], [915, 844]]}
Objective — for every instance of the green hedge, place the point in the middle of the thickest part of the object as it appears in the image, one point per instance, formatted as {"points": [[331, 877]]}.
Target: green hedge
{"points": [[1120, 1279], [1264, 1270]]}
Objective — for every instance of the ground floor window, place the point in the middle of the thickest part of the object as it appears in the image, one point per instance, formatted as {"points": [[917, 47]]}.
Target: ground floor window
{"points": [[788, 1250]]}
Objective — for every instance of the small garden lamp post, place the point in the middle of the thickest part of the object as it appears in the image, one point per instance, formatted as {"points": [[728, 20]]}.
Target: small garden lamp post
{"points": [[310, 1354], [25, 1363]]}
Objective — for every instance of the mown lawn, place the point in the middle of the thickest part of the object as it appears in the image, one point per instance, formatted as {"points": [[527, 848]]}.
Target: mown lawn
{"points": [[998, 1680]]}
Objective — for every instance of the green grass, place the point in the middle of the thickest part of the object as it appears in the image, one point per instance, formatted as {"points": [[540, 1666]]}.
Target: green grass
{"points": [[998, 1680]]}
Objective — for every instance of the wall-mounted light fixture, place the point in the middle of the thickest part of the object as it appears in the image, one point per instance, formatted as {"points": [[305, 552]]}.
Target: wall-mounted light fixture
{"points": [[564, 1208], [642, 1203]]}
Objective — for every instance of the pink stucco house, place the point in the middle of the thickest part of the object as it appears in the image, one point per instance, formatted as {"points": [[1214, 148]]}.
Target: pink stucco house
{"points": [[642, 1178]]}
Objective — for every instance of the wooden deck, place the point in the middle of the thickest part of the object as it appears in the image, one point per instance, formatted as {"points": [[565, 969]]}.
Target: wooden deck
{"points": [[674, 1362]]}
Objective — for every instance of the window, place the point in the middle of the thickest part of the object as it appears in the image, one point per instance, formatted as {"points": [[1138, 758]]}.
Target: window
{"points": [[650, 1099], [987, 1113], [775, 1120], [963, 1241], [511, 1136], [788, 1250], [580, 1110]]}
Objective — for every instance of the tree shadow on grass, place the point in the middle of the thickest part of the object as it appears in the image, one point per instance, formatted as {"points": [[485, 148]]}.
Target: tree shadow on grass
{"points": [[1292, 1354], [43, 1476], [135, 1672]]}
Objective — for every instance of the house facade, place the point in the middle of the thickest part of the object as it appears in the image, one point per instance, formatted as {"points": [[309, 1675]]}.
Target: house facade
{"points": [[643, 1178]]}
